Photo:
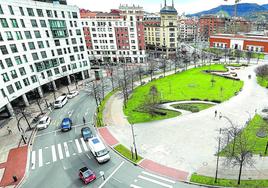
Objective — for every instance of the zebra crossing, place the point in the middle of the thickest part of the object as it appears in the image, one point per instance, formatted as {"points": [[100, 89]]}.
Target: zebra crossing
{"points": [[145, 179], [57, 152]]}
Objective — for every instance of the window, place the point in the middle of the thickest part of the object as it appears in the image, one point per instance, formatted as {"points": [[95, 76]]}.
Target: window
{"points": [[26, 82], [37, 34], [61, 60], [24, 46], [13, 74], [74, 14], [35, 56], [2, 65], [4, 22], [22, 71], [5, 77], [59, 51], [10, 9], [40, 44], [31, 45], [40, 12], [34, 23], [10, 89], [56, 70], [21, 11], [55, 13], [74, 41], [3, 50], [33, 78], [44, 54], [1, 10], [47, 44], [9, 62], [57, 42], [13, 48], [25, 58], [22, 23], [28, 34], [72, 58], [18, 35], [1, 38], [18, 60], [67, 41], [9, 35], [78, 32], [14, 23], [49, 73], [49, 13], [18, 85], [30, 12], [62, 14], [43, 23]]}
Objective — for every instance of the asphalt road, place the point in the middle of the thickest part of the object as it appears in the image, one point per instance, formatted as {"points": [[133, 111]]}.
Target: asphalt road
{"points": [[57, 156]]}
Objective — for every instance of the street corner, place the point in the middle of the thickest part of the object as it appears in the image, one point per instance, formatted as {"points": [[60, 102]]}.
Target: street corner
{"points": [[164, 170], [107, 136], [14, 167]]}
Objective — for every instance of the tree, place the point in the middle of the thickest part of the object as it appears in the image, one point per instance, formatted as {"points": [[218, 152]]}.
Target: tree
{"points": [[262, 71], [152, 99], [249, 56], [163, 66]]}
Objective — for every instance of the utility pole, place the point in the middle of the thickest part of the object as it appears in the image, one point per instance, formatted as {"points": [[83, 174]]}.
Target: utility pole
{"points": [[134, 141]]}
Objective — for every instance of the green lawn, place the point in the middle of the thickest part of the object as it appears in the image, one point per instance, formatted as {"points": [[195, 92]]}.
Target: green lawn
{"points": [[262, 81], [228, 183], [251, 130], [126, 153], [187, 85], [193, 107]]}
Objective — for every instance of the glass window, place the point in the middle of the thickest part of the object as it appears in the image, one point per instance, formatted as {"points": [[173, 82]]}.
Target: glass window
{"points": [[9, 62], [18, 60], [40, 44], [35, 56], [2, 65], [5, 77], [9, 35], [26, 82], [24, 47], [31, 45], [18, 85], [33, 78], [40, 12], [43, 23], [13, 74], [10, 9], [18, 35], [25, 58], [49, 13], [74, 14], [37, 34], [14, 23], [34, 23], [1, 10], [13, 48], [78, 32], [3, 50], [28, 34], [30, 12], [55, 13], [21, 11], [47, 44], [62, 14], [4, 22], [10, 89], [22, 23], [22, 71], [44, 54]]}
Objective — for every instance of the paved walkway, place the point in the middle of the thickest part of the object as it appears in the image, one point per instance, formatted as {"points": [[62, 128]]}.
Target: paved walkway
{"points": [[189, 142]]}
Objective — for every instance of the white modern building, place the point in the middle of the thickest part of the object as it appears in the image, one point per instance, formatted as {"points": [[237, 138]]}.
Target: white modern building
{"points": [[40, 43]]}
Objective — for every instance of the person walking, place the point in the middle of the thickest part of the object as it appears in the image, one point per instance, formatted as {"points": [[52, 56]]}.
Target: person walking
{"points": [[9, 130], [84, 120], [216, 113]]}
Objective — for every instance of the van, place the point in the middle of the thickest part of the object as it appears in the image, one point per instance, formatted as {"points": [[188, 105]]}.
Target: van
{"points": [[99, 150], [61, 101]]}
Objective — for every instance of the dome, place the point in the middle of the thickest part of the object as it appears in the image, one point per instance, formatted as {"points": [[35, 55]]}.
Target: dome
{"points": [[168, 10]]}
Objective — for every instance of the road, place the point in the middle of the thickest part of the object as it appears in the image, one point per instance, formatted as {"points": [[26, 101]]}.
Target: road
{"points": [[56, 156]]}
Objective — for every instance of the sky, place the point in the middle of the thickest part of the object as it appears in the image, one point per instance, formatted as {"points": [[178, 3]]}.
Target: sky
{"points": [[182, 6]]}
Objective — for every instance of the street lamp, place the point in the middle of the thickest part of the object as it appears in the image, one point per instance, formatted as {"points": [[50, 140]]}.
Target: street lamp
{"points": [[134, 141]]}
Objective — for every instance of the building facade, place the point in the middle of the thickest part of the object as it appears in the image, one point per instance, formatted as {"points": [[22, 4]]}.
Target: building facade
{"points": [[40, 43], [188, 29], [244, 42], [117, 36]]}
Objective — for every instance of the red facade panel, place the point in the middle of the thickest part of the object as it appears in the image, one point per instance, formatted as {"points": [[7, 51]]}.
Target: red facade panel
{"points": [[122, 38], [220, 40], [256, 43]]}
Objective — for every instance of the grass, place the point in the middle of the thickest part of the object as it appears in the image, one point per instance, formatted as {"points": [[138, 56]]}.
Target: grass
{"points": [[126, 153], [99, 121], [227, 182], [193, 83], [263, 81], [193, 107], [258, 144]]}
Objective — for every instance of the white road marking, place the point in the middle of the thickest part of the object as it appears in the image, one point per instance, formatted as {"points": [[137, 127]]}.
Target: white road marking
{"points": [[154, 181], [134, 186], [54, 155], [60, 152], [47, 163], [33, 159], [74, 153], [67, 153], [78, 146], [40, 157], [135, 180], [46, 147], [84, 144], [70, 141], [159, 177], [88, 156], [107, 179]]}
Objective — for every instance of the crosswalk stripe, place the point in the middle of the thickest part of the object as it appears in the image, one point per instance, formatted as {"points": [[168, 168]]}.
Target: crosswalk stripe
{"points": [[134, 186], [84, 144], [33, 159], [154, 181], [40, 155], [159, 177], [60, 151], [78, 146], [54, 155], [66, 149]]}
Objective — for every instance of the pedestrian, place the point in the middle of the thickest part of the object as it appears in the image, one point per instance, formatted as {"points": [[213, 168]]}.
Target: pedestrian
{"points": [[9, 130], [84, 120], [216, 113], [220, 115]]}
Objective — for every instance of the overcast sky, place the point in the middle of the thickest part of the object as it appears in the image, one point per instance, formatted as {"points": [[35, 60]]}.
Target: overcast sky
{"points": [[187, 6]]}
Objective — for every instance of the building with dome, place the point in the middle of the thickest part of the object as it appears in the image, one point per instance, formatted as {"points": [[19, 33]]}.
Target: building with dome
{"points": [[161, 32]]}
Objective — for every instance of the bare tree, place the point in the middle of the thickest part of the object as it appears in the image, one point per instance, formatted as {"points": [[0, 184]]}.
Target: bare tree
{"points": [[249, 56], [262, 71], [151, 67], [163, 66], [153, 98]]}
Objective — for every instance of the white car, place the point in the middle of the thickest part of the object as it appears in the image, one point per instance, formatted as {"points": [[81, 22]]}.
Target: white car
{"points": [[72, 94], [44, 122]]}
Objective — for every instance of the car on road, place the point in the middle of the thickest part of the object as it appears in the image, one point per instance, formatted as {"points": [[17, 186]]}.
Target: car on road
{"points": [[99, 150], [43, 122], [86, 133], [60, 101], [72, 94], [86, 175], [66, 124]]}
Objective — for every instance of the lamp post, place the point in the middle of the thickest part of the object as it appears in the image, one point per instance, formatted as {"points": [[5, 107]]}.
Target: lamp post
{"points": [[134, 141]]}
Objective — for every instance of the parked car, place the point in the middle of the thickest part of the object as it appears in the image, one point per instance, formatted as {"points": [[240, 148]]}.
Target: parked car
{"points": [[60, 101], [43, 122], [86, 175], [72, 94], [66, 124], [86, 133]]}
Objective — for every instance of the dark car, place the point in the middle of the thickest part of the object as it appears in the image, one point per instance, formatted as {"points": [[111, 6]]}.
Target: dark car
{"points": [[66, 124], [86, 175], [86, 133]]}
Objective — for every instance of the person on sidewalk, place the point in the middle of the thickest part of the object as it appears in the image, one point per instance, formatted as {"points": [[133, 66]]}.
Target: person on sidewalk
{"points": [[84, 120], [216, 113], [9, 130]]}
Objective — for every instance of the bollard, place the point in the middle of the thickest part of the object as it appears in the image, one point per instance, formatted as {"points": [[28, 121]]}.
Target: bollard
{"points": [[15, 178]]}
